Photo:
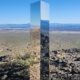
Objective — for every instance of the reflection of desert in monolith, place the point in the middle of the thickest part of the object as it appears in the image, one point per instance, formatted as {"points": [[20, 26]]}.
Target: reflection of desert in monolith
{"points": [[35, 35], [35, 51]]}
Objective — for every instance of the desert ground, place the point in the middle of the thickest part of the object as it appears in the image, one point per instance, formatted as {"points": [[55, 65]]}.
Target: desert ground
{"points": [[65, 56], [64, 40], [13, 48], [14, 51]]}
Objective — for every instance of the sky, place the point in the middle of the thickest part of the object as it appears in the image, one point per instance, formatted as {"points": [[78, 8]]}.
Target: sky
{"points": [[18, 11]]}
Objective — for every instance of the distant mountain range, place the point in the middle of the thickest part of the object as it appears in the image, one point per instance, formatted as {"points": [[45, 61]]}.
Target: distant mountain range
{"points": [[53, 27], [64, 27], [14, 26]]}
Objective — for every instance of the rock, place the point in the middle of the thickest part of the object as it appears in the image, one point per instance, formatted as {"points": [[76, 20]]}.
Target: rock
{"points": [[25, 56], [4, 77], [67, 66], [77, 59], [14, 71], [5, 58]]}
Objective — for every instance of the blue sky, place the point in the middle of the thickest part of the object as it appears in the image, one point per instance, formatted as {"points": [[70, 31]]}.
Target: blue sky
{"points": [[18, 11]]}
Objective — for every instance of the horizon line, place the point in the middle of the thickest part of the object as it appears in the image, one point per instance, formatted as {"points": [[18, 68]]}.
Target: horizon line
{"points": [[29, 23]]}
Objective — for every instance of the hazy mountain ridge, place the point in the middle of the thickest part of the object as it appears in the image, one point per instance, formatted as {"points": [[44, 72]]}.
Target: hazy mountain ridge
{"points": [[53, 27], [64, 27], [14, 26]]}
